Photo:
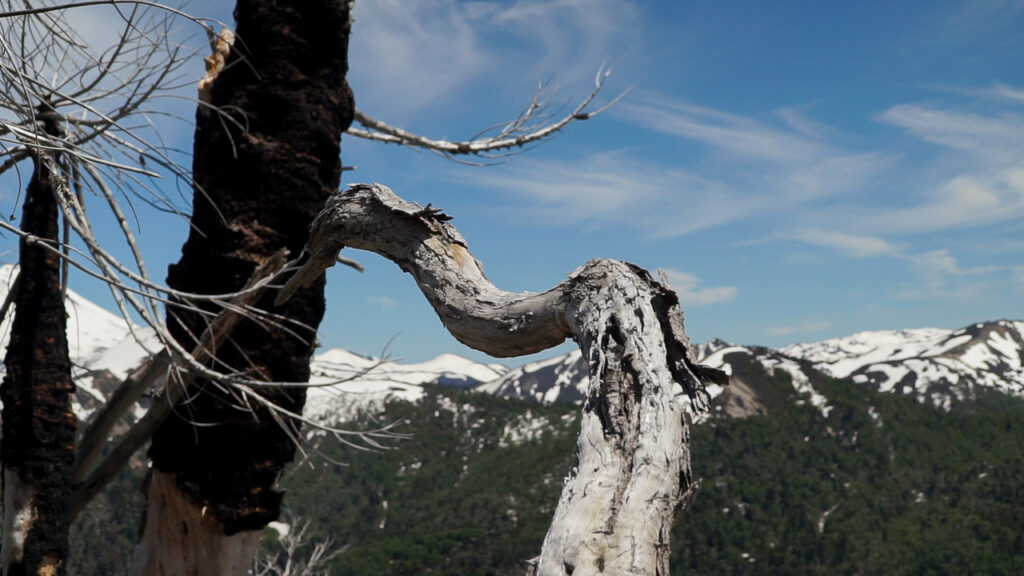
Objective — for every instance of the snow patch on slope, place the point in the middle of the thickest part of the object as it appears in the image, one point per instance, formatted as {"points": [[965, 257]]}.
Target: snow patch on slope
{"points": [[103, 346], [841, 357], [801, 383], [347, 384], [562, 378], [934, 365]]}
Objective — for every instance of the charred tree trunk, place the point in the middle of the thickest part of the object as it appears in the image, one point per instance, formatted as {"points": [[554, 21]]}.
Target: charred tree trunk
{"points": [[38, 424], [632, 477], [259, 184]]}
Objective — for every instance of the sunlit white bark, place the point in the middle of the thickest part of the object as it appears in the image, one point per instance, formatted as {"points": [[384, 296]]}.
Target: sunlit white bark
{"points": [[632, 475]]}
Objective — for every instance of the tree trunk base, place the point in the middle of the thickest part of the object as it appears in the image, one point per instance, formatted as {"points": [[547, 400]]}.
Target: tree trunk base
{"points": [[183, 540]]}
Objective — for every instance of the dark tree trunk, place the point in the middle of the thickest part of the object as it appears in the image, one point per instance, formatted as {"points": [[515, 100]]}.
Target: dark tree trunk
{"points": [[257, 190], [38, 424]]}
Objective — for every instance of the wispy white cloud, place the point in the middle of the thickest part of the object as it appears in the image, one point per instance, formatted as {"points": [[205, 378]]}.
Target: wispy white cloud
{"points": [[852, 245], [760, 171], [1011, 93], [986, 161], [813, 326], [408, 55], [796, 118], [935, 274], [937, 265], [795, 166], [1017, 277], [721, 130], [974, 19], [687, 286], [788, 164], [995, 138], [383, 301], [934, 266], [614, 189], [939, 275], [569, 38]]}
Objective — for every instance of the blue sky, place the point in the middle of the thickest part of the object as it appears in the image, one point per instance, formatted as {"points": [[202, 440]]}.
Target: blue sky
{"points": [[801, 170]]}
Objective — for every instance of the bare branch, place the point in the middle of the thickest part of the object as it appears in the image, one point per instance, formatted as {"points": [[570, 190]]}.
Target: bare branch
{"points": [[298, 554], [117, 405], [84, 3], [348, 262], [526, 129], [163, 403]]}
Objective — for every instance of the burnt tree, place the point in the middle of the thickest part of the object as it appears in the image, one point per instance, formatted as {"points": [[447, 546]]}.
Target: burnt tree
{"points": [[260, 179], [38, 425]]}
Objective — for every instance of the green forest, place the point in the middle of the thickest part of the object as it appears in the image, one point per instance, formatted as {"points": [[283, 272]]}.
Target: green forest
{"points": [[883, 485]]}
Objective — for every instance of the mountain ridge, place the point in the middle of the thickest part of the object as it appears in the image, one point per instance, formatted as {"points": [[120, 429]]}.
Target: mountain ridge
{"points": [[938, 366]]}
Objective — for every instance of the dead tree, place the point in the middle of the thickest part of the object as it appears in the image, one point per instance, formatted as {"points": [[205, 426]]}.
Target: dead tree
{"points": [[296, 553], [259, 181], [38, 424], [632, 477], [266, 156]]}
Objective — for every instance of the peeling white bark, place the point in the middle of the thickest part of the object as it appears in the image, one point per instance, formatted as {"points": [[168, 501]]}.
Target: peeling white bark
{"points": [[19, 513], [632, 478], [181, 540]]}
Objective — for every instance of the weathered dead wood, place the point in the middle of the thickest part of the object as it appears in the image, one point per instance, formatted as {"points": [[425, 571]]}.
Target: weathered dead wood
{"points": [[197, 537], [632, 476]]}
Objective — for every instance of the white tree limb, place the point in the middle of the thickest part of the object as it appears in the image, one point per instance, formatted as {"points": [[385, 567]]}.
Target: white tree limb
{"points": [[632, 476], [529, 127]]}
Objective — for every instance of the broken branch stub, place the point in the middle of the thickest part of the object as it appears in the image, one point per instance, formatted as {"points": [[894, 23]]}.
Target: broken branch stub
{"points": [[632, 476]]}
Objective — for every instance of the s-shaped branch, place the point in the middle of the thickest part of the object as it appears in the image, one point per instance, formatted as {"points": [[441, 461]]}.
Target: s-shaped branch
{"points": [[632, 477]]}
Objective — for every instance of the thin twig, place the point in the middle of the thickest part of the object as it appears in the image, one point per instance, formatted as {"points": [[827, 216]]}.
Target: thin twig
{"points": [[515, 134]]}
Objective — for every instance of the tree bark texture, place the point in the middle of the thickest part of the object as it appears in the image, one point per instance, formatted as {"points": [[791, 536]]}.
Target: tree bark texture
{"points": [[632, 476], [258, 185], [202, 548], [38, 424]]}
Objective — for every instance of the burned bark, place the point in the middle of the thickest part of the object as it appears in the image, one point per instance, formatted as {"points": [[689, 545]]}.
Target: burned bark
{"points": [[632, 477], [259, 181], [38, 424]]}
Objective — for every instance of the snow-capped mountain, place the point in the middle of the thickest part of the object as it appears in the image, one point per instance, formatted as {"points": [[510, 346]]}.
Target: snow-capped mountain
{"points": [[104, 348], [346, 383], [559, 379], [941, 366], [937, 366]]}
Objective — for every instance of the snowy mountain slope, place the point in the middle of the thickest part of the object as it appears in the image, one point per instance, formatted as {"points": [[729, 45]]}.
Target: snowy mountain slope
{"points": [[937, 366], [346, 384], [102, 345], [104, 348], [742, 396], [559, 379], [564, 378], [941, 366], [92, 331]]}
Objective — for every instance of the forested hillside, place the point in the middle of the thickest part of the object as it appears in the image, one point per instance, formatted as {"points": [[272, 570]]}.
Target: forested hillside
{"points": [[883, 485]]}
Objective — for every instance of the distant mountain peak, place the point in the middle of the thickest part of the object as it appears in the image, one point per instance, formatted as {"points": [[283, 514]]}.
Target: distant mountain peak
{"points": [[937, 366]]}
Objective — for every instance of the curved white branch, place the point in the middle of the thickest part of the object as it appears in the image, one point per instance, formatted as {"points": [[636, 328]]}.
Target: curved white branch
{"points": [[632, 477], [528, 128]]}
